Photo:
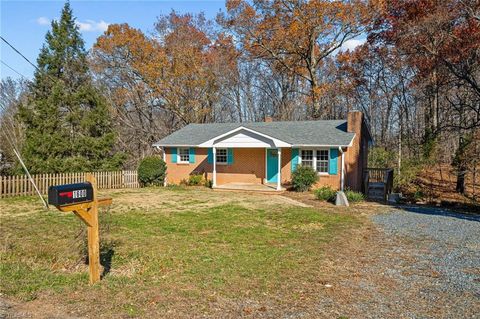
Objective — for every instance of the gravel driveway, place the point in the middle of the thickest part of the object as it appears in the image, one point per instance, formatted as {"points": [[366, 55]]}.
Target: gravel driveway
{"points": [[440, 254]]}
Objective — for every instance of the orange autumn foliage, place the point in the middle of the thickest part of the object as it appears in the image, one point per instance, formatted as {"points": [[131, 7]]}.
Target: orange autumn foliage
{"points": [[181, 66], [297, 35]]}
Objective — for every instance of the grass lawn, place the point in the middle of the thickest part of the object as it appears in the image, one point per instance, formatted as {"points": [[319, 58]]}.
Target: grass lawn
{"points": [[185, 252]]}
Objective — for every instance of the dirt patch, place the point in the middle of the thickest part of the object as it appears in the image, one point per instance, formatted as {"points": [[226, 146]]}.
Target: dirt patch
{"points": [[39, 309], [293, 202]]}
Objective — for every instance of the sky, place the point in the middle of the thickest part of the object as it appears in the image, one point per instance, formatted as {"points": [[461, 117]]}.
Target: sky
{"points": [[25, 23]]}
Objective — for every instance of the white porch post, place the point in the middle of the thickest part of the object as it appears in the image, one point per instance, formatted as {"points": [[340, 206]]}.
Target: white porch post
{"points": [[214, 150], [279, 178]]}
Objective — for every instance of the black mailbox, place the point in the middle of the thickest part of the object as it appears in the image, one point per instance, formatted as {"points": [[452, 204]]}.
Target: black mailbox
{"points": [[62, 195]]}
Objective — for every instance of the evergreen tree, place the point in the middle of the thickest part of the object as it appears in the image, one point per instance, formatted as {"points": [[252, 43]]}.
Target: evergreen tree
{"points": [[67, 121]]}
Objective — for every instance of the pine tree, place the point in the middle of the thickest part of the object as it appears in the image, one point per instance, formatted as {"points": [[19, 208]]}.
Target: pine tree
{"points": [[67, 121]]}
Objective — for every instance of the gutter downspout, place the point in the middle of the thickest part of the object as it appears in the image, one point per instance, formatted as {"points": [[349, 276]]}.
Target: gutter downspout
{"points": [[342, 174]]}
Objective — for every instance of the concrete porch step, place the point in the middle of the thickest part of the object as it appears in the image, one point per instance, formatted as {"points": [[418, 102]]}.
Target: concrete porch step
{"points": [[249, 187]]}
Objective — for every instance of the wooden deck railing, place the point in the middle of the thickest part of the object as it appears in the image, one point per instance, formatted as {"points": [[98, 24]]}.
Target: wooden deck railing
{"points": [[19, 185], [378, 176]]}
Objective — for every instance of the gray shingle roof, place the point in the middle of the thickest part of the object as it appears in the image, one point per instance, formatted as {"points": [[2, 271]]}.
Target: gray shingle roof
{"points": [[327, 132]]}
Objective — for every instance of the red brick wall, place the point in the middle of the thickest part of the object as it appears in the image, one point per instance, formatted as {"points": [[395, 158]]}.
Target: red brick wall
{"points": [[286, 171], [176, 172], [248, 167]]}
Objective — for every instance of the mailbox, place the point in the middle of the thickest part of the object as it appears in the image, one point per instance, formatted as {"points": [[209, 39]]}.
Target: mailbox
{"points": [[62, 195]]}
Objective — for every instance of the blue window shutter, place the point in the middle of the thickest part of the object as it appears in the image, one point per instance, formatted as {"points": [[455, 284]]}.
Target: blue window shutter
{"points": [[210, 156], [333, 162], [191, 155], [174, 154], [230, 156], [295, 159]]}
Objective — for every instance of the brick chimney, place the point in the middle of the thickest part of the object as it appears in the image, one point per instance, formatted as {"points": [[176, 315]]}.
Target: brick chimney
{"points": [[354, 122], [268, 119], [357, 154]]}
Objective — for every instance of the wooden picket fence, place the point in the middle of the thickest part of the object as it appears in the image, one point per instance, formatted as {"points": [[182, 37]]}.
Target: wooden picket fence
{"points": [[19, 185]]}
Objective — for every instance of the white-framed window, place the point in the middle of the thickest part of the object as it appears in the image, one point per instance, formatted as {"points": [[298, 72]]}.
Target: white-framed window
{"points": [[322, 161], [318, 159], [184, 155], [307, 158], [222, 156]]}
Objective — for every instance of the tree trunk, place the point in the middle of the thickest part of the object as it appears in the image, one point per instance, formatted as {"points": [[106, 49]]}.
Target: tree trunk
{"points": [[315, 105], [474, 178], [460, 188], [435, 105], [400, 133]]}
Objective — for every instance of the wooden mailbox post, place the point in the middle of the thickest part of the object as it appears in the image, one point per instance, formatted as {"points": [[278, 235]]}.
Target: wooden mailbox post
{"points": [[86, 208]]}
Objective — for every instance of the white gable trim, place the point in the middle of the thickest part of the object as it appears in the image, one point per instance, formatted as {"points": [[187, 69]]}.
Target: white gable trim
{"points": [[218, 139], [244, 139]]}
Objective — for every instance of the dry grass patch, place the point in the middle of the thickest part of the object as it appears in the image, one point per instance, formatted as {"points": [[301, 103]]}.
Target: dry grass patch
{"points": [[175, 250]]}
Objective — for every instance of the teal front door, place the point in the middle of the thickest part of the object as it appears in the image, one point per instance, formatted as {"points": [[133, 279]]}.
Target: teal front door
{"points": [[272, 165]]}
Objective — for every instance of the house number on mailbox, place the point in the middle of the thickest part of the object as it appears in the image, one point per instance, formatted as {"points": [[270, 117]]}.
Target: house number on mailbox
{"points": [[80, 193]]}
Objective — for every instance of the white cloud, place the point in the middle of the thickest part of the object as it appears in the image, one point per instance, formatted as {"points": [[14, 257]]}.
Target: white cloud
{"points": [[43, 21], [92, 26], [352, 44], [87, 26]]}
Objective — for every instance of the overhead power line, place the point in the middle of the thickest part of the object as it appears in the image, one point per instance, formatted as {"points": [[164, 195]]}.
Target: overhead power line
{"points": [[53, 79], [20, 53], [8, 66]]}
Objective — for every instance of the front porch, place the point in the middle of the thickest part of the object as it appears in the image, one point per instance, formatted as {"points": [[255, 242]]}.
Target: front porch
{"points": [[247, 160], [269, 187], [248, 169]]}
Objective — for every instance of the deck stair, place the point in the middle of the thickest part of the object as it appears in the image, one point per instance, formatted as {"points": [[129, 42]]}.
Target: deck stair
{"points": [[378, 183]]}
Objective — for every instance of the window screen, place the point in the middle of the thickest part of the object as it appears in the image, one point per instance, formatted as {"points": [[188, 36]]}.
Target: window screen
{"points": [[322, 161], [184, 155], [307, 158], [222, 155]]}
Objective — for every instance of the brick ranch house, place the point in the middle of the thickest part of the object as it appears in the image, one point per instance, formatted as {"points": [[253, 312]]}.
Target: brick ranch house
{"points": [[264, 154]]}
